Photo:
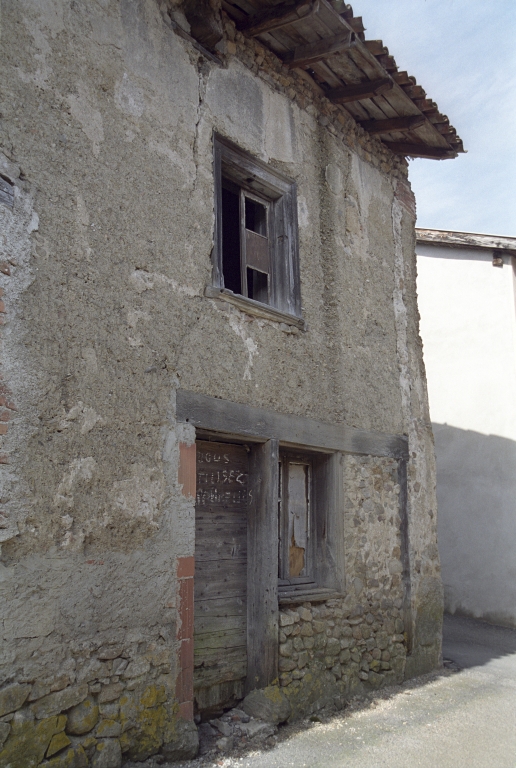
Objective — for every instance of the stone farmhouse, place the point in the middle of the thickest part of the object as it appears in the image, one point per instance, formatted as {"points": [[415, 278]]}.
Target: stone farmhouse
{"points": [[217, 459]]}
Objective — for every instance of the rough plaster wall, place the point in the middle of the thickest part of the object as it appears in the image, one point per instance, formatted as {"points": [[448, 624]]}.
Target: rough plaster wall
{"points": [[106, 314], [426, 587]]}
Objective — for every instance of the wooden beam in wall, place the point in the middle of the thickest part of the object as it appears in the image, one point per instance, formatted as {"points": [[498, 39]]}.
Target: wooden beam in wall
{"points": [[419, 150], [304, 55], [347, 93], [393, 124], [276, 17]]}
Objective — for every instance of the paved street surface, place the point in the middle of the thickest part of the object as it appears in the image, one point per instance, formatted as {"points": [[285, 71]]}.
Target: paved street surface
{"points": [[465, 719]]}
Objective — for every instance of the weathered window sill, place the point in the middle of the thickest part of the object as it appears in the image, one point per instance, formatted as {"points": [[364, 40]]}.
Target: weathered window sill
{"points": [[255, 308], [317, 595]]}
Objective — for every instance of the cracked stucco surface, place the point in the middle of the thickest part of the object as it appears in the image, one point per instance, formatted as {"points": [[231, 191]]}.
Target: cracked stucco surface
{"points": [[111, 236]]}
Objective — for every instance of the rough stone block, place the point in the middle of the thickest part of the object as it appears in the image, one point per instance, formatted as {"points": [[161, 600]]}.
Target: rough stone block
{"points": [[58, 702], [5, 730], [58, 742], [332, 646], [83, 718], [108, 754], [27, 743], [136, 668], [182, 743], [108, 729], [13, 697], [110, 692], [285, 619], [304, 614], [269, 704], [286, 665]]}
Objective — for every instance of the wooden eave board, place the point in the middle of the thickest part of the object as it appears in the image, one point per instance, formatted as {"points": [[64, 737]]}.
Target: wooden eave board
{"points": [[356, 65]]}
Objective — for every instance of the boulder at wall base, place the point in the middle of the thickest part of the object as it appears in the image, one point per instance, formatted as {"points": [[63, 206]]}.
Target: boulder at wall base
{"points": [[181, 741], [268, 704], [28, 742]]}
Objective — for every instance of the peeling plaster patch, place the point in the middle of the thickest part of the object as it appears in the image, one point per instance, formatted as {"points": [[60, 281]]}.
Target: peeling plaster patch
{"points": [[90, 360], [237, 323], [302, 212], [43, 71], [133, 317], [129, 98], [400, 311], [139, 496], [80, 469], [147, 281], [333, 176], [83, 109], [50, 14], [188, 167], [88, 415]]}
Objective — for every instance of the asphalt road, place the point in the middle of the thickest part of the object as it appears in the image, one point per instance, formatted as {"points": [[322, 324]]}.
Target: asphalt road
{"points": [[462, 720]]}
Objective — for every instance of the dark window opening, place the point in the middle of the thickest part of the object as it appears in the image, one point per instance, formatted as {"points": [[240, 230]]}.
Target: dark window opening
{"points": [[231, 240]]}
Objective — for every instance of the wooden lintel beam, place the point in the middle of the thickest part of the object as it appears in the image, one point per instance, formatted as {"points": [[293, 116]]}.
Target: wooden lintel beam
{"points": [[347, 93], [309, 54], [393, 124], [277, 17], [419, 150]]}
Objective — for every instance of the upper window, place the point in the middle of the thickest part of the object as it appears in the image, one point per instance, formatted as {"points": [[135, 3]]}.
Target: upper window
{"points": [[256, 244]]}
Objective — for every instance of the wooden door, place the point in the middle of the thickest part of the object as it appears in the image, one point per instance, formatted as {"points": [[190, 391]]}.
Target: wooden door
{"points": [[220, 634]]}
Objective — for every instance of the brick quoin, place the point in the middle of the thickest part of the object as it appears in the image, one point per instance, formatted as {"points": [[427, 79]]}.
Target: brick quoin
{"points": [[185, 594]]}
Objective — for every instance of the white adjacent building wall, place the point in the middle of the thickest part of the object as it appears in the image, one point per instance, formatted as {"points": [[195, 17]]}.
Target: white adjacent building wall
{"points": [[468, 327]]}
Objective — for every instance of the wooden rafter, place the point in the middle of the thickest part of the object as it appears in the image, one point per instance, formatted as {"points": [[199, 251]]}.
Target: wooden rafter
{"points": [[419, 150], [347, 93], [393, 124], [276, 17], [304, 55]]}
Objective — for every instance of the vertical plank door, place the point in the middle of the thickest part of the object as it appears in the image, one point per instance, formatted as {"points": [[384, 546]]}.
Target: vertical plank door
{"points": [[220, 634]]}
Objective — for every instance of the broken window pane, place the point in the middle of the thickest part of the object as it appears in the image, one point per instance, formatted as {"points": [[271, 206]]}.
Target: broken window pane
{"points": [[298, 517]]}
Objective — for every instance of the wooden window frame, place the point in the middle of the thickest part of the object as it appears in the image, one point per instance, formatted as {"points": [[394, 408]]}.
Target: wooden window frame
{"points": [[269, 187], [284, 577]]}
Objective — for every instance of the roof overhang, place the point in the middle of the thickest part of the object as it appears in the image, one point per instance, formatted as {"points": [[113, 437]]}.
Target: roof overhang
{"points": [[327, 41]]}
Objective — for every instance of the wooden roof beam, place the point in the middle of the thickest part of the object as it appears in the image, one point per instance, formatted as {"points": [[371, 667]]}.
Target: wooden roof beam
{"points": [[419, 150], [304, 55], [348, 93], [276, 17], [376, 47], [393, 124]]}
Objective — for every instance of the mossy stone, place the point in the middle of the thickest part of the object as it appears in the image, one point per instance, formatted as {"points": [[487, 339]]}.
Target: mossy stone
{"points": [[83, 718]]}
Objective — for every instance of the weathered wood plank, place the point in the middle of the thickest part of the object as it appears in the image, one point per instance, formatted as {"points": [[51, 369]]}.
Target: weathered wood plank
{"points": [[312, 52], [225, 417], [216, 639], [419, 150], [225, 606], [347, 93], [278, 16], [393, 124], [262, 579], [465, 239], [219, 578], [207, 623], [220, 619]]}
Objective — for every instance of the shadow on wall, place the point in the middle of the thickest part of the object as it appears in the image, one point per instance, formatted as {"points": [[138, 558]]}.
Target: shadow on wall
{"points": [[476, 497]]}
